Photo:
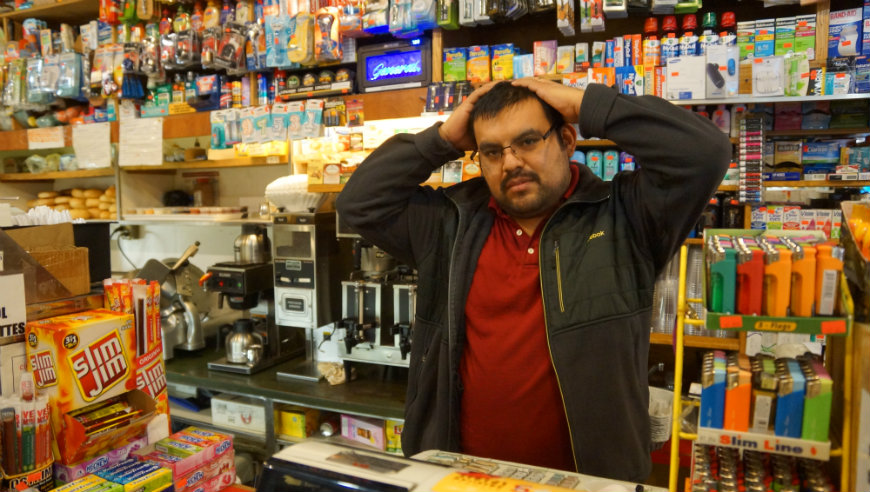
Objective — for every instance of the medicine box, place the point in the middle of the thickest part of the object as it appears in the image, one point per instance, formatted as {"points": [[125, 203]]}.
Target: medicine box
{"points": [[844, 32]]}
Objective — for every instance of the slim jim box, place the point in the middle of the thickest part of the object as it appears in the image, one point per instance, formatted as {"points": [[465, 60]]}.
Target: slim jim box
{"points": [[83, 359]]}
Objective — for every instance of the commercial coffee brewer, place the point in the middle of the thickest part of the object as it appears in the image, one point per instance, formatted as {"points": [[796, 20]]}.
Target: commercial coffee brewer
{"points": [[377, 308], [245, 284], [309, 260]]}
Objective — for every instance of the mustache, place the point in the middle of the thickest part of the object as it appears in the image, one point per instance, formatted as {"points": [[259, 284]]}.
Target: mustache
{"points": [[519, 173]]}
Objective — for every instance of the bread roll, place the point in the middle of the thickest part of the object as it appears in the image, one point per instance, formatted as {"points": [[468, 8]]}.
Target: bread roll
{"points": [[79, 213], [61, 200], [104, 206], [95, 213], [105, 214], [61, 207], [77, 193], [47, 194], [92, 202], [110, 191], [92, 193], [76, 203], [106, 198], [45, 201], [113, 209]]}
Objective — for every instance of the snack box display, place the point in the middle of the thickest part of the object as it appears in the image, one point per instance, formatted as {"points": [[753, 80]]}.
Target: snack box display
{"points": [[68, 473], [367, 431], [83, 359], [210, 445]]}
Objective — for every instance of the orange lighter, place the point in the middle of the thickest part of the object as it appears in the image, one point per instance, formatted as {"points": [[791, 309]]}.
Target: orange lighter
{"points": [[803, 277], [738, 393], [777, 279]]}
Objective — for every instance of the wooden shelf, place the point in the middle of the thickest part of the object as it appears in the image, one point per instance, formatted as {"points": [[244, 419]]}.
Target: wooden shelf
{"points": [[694, 241], [595, 143], [50, 176], [69, 11], [697, 341], [727, 188], [206, 164]]}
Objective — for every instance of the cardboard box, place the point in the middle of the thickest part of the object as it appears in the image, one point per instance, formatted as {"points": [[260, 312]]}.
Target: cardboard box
{"points": [[68, 473], [84, 358], [297, 422], [367, 431], [12, 362], [686, 77], [238, 412], [394, 430], [52, 247]]}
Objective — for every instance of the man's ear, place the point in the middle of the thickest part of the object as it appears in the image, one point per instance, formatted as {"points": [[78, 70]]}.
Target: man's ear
{"points": [[569, 137]]}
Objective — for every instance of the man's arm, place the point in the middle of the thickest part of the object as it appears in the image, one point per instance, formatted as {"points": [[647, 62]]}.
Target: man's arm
{"points": [[383, 200], [682, 158]]}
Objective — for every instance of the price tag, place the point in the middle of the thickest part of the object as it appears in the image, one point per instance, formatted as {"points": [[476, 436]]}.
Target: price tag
{"points": [[787, 326], [45, 138]]}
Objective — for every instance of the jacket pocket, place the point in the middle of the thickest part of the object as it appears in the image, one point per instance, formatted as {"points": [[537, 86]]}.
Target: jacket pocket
{"points": [[425, 336]]}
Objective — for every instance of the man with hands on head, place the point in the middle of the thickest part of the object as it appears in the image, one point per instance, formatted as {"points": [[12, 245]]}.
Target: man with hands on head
{"points": [[535, 281]]}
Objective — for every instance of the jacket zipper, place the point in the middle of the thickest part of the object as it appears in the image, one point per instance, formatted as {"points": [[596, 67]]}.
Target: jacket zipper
{"points": [[559, 277], [562, 308]]}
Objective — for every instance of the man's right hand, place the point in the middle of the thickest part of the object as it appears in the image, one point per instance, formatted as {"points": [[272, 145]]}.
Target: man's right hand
{"points": [[455, 129]]}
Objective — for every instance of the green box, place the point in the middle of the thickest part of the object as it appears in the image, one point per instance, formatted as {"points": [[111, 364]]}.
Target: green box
{"points": [[455, 61]]}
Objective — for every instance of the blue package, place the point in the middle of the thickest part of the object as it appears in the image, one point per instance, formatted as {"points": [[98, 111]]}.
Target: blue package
{"points": [[595, 162], [579, 157], [789, 400], [626, 162], [713, 391], [608, 53], [611, 164]]}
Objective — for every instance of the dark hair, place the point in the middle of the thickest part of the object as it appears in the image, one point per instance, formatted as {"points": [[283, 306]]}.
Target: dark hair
{"points": [[504, 95]]}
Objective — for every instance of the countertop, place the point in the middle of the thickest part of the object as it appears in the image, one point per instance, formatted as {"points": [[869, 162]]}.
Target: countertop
{"points": [[371, 394]]}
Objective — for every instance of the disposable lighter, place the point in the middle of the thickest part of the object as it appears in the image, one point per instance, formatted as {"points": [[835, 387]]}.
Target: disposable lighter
{"points": [[803, 277], [829, 264], [713, 390], [764, 385], [817, 404], [750, 275], [738, 393], [722, 272], [790, 398], [777, 279]]}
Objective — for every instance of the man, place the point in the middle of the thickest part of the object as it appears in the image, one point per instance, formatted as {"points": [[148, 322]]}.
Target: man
{"points": [[535, 282]]}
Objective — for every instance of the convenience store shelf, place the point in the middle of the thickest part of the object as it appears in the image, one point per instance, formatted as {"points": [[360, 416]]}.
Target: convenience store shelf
{"points": [[772, 99], [713, 343], [815, 184], [820, 133], [51, 176], [70, 11], [207, 164], [595, 143]]}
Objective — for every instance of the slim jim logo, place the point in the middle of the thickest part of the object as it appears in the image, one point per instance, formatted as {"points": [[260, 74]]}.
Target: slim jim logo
{"points": [[152, 380], [99, 366], [42, 365]]}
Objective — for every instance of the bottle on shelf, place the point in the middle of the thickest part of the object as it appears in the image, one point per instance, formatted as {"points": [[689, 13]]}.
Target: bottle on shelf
{"points": [[178, 89], [244, 11], [652, 45], [190, 87], [182, 19], [211, 16], [689, 40], [722, 118], [670, 41], [728, 35], [708, 32], [165, 26], [227, 13], [196, 18]]}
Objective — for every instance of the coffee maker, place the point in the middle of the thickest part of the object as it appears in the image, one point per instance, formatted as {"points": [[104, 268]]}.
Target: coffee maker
{"points": [[377, 307], [252, 344], [308, 258]]}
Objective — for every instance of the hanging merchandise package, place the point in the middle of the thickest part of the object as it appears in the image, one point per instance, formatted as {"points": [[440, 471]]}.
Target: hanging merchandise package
{"points": [[167, 51], [327, 45], [35, 92], [277, 38], [300, 47], [376, 17], [69, 76], [424, 14], [150, 57], [401, 18], [350, 18], [187, 49], [208, 49], [255, 48], [231, 49]]}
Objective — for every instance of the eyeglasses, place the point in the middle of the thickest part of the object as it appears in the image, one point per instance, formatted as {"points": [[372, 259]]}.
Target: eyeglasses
{"points": [[521, 147]]}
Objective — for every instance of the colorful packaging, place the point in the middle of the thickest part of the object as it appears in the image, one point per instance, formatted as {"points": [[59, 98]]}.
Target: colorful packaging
{"points": [[454, 64], [367, 431], [85, 358], [394, 430], [503, 61], [844, 32], [805, 35], [545, 57], [765, 37], [478, 64]]}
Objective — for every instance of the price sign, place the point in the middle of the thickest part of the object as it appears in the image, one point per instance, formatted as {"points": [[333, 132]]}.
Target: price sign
{"points": [[45, 138]]}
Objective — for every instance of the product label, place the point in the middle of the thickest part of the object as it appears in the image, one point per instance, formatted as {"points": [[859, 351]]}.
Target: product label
{"points": [[42, 365], [99, 366]]}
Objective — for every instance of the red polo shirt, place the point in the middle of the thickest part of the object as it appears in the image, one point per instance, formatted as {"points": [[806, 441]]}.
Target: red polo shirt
{"points": [[511, 405]]}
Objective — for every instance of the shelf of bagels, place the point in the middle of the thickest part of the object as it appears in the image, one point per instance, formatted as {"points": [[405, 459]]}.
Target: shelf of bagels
{"points": [[90, 203]]}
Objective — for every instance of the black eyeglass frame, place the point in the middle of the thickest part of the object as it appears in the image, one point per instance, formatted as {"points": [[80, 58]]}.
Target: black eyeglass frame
{"points": [[544, 137]]}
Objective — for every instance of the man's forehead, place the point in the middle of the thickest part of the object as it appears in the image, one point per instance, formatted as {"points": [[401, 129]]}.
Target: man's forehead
{"points": [[511, 122]]}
